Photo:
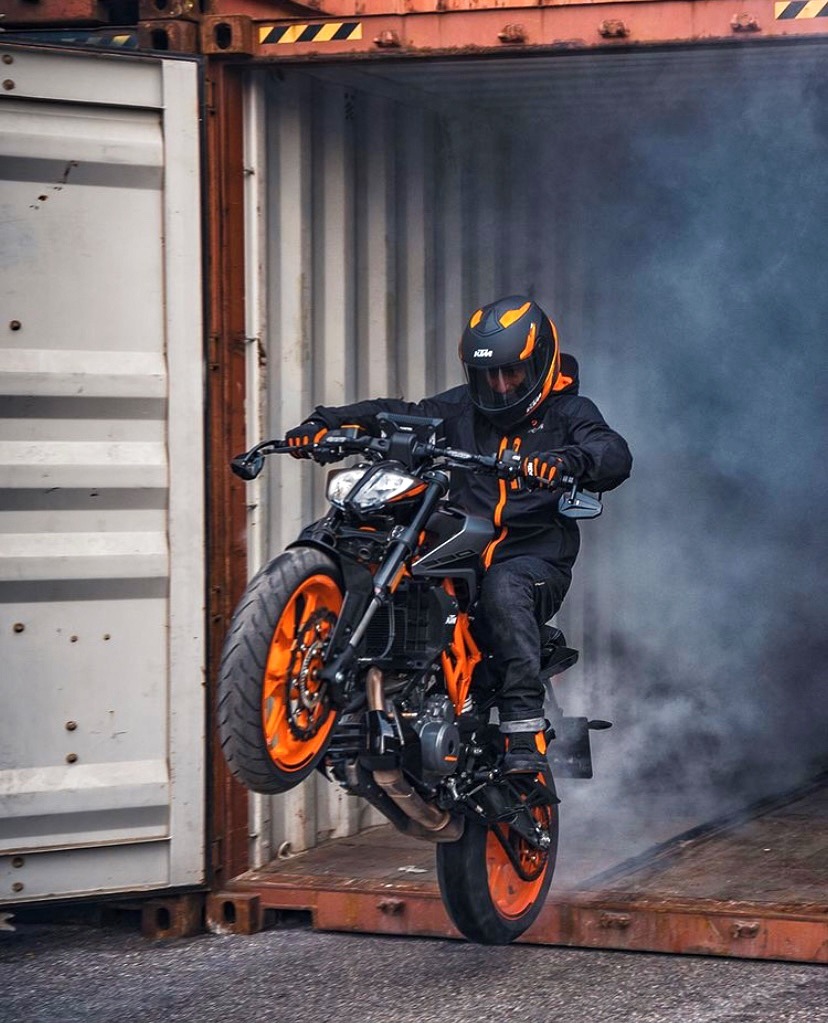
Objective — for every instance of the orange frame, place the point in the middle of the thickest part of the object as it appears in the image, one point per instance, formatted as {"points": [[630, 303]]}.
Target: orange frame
{"points": [[462, 657]]}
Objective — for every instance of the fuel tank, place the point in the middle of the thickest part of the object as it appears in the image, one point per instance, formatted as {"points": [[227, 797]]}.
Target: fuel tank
{"points": [[454, 544]]}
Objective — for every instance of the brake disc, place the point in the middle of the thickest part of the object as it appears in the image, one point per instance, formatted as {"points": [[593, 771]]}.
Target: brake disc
{"points": [[304, 693]]}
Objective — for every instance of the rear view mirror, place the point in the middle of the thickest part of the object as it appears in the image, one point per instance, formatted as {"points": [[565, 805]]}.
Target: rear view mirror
{"points": [[247, 466], [578, 505]]}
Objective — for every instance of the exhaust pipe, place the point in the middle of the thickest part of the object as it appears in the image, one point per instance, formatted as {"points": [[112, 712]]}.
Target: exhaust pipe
{"points": [[439, 823]]}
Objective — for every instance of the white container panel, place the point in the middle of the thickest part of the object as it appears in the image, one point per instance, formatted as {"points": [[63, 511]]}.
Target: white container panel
{"points": [[102, 743]]}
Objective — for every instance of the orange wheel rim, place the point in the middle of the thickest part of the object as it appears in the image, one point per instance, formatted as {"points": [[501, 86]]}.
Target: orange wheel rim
{"points": [[510, 893], [296, 714]]}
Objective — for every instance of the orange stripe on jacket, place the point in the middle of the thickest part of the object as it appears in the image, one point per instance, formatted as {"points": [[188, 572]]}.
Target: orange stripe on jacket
{"points": [[488, 553]]}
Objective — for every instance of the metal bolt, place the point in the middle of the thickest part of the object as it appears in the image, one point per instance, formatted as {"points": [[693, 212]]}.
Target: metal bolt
{"points": [[71, 758], [745, 23], [71, 726], [614, 921], [18, 886], [18, 627], [392, 907], [387, 39], [8, 59], [8, 85], [73, 639], [15, 325], [613, 29], [512, 34], [18, 861]]}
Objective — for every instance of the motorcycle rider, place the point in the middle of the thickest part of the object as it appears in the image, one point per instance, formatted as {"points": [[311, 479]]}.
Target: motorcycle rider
{"points": [[521, 394]]}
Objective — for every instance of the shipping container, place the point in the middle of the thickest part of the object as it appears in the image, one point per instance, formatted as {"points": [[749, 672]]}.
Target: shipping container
{"points": [[102, 743], [652, 174], [661, 205]]}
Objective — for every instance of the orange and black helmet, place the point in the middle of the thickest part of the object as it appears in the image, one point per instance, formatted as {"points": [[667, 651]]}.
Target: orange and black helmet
{"points": [[510, 354]]}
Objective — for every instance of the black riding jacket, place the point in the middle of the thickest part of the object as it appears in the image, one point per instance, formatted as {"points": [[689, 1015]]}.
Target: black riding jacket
{"points": [[526, 521]]}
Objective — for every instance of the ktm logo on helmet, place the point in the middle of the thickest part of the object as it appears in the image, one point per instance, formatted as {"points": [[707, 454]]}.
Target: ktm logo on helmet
{"points": [[483, 353]]}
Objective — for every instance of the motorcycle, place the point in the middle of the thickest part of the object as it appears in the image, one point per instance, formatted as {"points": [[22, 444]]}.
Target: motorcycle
{"points": [[354, 653]]}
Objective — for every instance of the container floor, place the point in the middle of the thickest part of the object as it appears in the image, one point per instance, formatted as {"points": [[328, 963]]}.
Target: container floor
{"points": [[753, 885]]}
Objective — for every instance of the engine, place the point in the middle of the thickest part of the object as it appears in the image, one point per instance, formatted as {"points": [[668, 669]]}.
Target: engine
{"points": [[439, 735]]}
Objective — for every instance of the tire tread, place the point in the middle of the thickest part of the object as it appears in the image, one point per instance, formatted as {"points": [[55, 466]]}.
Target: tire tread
{"points": [[243, 660]]}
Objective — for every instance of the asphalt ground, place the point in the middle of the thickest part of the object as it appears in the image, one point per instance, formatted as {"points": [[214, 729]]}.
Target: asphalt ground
{"points": [[68, 973]]}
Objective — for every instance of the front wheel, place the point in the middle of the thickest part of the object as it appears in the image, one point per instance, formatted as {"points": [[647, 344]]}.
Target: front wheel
{"points": [[274, 716], [493, 881]]}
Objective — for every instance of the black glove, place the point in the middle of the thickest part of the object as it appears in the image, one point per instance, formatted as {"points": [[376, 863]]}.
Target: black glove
{"points": [[543, 465], [304, 437]]}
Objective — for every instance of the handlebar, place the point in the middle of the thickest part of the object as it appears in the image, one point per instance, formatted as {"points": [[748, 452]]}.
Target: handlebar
{"points": [[337, 444]]}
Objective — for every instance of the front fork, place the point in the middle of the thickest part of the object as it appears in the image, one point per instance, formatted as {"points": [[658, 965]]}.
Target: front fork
{"points": [[336, 673]]}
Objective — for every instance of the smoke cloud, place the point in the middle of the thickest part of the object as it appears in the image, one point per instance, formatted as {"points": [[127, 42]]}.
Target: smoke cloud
{"points": [[668, 208], [695, 221]]}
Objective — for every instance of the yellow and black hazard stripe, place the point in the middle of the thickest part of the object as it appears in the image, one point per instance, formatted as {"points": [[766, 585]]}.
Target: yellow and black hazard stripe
{"points": [[787, 10], [322, 32]]}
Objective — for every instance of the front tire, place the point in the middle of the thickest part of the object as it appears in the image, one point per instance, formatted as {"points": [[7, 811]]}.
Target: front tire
{"points": [[274, 717], [488, 899]]}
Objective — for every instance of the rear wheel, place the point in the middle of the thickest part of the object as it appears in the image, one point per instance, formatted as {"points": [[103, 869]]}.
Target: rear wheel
{"points": [[274, 715], [493, 881]]}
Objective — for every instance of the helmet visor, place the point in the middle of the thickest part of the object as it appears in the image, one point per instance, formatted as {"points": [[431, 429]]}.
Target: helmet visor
{"points": [[494, 388]]}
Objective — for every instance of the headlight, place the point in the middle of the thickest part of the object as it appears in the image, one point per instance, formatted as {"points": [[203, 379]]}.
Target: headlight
{"points": [[342, 482], [384, 487]]}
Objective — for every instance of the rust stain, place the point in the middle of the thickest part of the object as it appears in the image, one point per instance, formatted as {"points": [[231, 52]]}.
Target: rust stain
{"points": [[68, 170]]}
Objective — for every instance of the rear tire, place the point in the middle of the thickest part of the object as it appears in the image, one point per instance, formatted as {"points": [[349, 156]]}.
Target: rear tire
{"points": [[274, 719], [486, 898]]}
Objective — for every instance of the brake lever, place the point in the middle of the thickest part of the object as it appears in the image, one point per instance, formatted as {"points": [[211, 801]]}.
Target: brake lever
{"points": [[569, 483], [341, 436], [338, 443]]}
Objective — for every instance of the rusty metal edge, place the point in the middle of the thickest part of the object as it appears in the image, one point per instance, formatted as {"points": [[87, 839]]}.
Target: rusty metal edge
{"points": [[244, 27], [598, 920], [225, 427]]}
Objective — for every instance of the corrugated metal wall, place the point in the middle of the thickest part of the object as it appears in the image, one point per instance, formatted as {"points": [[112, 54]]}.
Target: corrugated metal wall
{"points": [[649, 202], [101, 470], [365, 211]]}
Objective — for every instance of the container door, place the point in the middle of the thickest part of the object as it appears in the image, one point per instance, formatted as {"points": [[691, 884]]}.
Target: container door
{"points": [[101, 475]]}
